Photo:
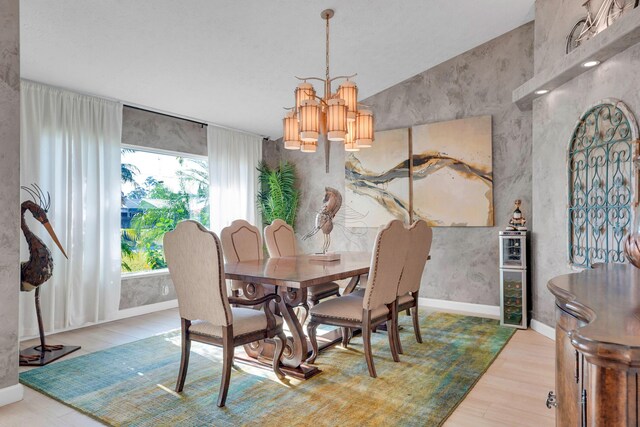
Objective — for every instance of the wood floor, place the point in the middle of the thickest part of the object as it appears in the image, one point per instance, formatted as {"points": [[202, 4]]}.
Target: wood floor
{"points": [[511, 393]]}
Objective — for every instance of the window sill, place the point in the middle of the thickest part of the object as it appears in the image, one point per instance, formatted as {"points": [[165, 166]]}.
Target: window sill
{"points": [[139, 274]]}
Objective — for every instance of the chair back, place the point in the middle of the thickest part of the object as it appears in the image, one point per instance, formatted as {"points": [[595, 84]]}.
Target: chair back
{"points": [[387, 262], [280, 239], [241, 241], [420, 238], [194, 258]]}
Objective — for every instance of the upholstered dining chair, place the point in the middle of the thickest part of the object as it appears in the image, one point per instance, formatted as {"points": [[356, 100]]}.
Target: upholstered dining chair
{"points": [[281, 242], [378, 304], [241, 241], [420, 238], [194, 258]]}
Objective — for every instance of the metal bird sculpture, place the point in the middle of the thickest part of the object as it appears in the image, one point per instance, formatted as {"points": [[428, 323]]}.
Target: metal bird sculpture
{"points": [[324, 219], [36, 271]]}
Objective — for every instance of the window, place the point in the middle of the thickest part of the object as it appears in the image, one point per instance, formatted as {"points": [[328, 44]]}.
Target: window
{"points": [[158, 191], [601, 180]]}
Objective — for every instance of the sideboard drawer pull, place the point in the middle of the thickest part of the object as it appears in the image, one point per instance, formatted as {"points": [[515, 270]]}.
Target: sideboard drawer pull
{"points": [[551, 400], [577, 374]]}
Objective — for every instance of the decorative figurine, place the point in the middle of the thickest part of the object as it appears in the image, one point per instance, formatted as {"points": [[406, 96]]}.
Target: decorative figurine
{"points": [[517, 221], [36, 271], [324, 220]]}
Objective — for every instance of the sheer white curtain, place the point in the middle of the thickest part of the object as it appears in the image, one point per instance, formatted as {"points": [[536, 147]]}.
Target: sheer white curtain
{"points": [[233, 159], [70, 147]]}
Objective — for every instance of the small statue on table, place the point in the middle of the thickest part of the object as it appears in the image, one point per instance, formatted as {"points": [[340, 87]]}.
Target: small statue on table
{"points": [[517, 221]]}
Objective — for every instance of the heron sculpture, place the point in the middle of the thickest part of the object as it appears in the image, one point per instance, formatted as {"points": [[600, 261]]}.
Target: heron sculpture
{"points": [[324, 218], [36, 271]]}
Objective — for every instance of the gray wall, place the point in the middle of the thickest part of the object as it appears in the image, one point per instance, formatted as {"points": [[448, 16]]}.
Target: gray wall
{"points": [[554, 117], [464, 265], [150, 130], [9, 191]]}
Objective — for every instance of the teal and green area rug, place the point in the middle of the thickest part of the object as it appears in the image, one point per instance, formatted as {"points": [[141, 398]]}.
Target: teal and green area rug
{"points": [[132, 384]]}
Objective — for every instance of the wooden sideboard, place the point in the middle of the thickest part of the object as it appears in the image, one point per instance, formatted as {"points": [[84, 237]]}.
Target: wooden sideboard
{"points": [[597, 346]]}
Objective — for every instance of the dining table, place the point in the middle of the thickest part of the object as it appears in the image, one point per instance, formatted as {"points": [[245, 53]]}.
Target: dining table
{"points": [[290, 278]]}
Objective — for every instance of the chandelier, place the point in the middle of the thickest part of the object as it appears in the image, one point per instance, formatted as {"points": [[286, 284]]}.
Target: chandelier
{"points": [[332, 117]]}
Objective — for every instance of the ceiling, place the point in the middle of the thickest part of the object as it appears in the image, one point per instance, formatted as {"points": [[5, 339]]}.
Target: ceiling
{"points": [[233, 63]]}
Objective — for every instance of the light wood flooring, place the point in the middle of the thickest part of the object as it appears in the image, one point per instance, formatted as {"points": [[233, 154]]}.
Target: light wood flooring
{"points": [[511, 393]]}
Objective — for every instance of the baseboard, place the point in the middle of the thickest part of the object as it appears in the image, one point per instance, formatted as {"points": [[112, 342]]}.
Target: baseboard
{"points": [[543, 329], [11, 394], [146, 309], [492, 311], [122, 314]]}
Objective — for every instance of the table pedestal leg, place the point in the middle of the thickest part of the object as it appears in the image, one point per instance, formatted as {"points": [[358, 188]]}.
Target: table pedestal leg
{"points": [[296, 349]]}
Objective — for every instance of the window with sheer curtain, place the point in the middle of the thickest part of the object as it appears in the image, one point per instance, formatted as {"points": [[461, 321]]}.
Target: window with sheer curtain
{"points": [[159, 190]]}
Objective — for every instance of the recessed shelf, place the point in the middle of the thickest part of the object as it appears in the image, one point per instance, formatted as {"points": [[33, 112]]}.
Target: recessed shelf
{"points": [[623, 34]]}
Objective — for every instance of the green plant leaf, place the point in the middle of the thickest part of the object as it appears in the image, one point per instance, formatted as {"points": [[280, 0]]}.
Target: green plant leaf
{"points": [[278, 197]]}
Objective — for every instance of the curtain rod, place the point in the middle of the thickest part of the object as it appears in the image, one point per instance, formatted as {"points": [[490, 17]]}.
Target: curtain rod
{"points": [[165, 114], [189, 119]]}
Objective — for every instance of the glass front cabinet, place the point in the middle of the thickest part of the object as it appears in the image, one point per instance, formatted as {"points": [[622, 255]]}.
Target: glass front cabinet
{"points": [[514, 295]]}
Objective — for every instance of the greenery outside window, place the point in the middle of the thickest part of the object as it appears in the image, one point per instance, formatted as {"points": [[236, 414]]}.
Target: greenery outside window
{"points": [[158, 190]]}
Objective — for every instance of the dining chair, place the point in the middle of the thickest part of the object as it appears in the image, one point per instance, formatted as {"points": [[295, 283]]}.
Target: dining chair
{"points": [[420, 238], [378, 303], [194, 258], [241, 241], [281, 242]]}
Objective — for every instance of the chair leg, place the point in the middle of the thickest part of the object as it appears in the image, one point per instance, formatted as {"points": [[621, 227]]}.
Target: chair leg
{"points": [[184, 359], [416, 323], [346, 336], [281, 340], [306, 313], [408, 312], [396, 327], [311, 333], [366, 339], [392, 341], [227, 362]]}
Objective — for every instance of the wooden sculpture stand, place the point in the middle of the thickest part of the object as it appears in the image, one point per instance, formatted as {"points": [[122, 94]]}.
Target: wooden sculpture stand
{"points": [[43, 354]]}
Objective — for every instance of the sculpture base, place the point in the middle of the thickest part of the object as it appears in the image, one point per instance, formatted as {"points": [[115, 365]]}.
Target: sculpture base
{"points": [[328, 257], [28, 355]]}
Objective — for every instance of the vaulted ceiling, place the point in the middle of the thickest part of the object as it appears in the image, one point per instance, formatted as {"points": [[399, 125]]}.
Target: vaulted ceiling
{"points": [[233, 62]]}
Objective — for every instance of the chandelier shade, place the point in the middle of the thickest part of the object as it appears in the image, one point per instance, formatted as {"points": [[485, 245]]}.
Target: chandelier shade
{"points": [[364, 129], [349, 140], [349, 92], [336, 119], [291, 135], [304, 91], [309, 120], [309, 146]]}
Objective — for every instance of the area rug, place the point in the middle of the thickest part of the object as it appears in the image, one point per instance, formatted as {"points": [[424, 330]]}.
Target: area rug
{"points": [[132, 384]]}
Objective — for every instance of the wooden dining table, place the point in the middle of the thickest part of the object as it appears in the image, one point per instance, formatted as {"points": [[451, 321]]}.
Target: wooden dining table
{"points": [[292, 277]]}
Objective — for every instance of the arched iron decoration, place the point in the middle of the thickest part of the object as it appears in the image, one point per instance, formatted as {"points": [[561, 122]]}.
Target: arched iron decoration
{"points": [[602, 183]]}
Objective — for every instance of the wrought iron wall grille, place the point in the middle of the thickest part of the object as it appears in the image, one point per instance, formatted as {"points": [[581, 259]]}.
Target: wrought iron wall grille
{"points": [[600, 186]]}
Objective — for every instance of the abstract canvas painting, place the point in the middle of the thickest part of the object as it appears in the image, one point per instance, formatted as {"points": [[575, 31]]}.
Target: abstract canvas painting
{"points": [[452, 173], [377, 181], [452, 176]]}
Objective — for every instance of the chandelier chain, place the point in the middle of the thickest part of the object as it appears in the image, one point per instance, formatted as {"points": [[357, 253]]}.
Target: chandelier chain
{"points": [[327, 82]]}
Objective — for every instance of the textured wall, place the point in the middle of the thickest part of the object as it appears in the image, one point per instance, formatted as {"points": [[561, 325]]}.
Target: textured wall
{"points": [[150, 130], [554, 20], [554, 118], [9, 191], [464, 265]]}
